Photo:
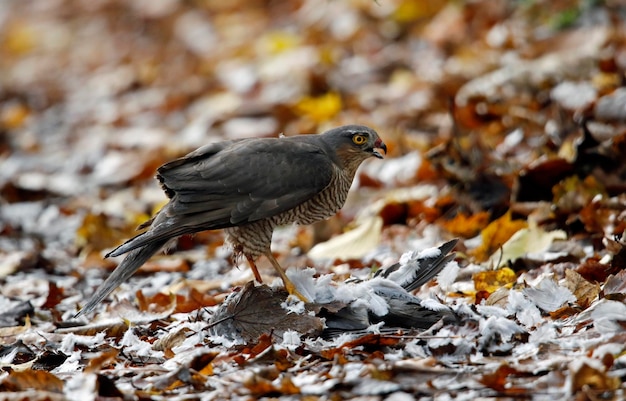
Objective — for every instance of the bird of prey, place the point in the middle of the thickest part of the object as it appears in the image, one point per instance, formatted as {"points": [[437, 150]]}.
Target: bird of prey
{"points": [[248, 187]]}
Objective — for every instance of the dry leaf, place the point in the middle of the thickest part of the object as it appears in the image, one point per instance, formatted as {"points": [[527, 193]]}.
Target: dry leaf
{"points": [[531, 240], [492, 280], [498, 381], [584, 291], [548, 295], [466, 226], [104, 359], [32, 380], [495, 235], [257, 310], [587, 373], [353, 244], [320, 108]]}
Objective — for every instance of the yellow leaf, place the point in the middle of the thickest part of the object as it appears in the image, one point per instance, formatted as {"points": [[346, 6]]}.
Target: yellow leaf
{"points": [[320, 108], [411, 10], [493, 280], [496, 234], [573, 193], [352, 244], [13, 115], [527, 240], [280, 41], [20, 38]]}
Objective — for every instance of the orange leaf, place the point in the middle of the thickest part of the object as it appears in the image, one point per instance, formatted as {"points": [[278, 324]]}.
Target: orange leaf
{"points": [[467, 226], [104, 359], [498, 380]]}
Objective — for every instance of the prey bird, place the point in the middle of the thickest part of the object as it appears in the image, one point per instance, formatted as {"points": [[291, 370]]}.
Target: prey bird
{"points": [[248, 187]]}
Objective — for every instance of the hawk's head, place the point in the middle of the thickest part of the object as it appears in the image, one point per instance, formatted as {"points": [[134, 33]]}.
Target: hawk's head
{"points": [[355, 143]]}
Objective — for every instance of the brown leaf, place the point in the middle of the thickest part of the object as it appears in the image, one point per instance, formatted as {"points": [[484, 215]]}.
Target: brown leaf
{"points": [[260, 386], [257, 310], [615, 287], [157, 303], [104, 359], [572, 194], [536, 182], [107, 389], [421, 211], [55, 296], [195, 300], [584, 291], [372, 342], [97, 233], [498, 380], [564, 312], [32, 380], [589, 376], [170, 340], [113, 328], [592, 270], [203, 364]]}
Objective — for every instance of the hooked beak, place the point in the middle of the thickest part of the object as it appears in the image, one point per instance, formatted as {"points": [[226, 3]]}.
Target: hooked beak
{"points": [[379, 144]]}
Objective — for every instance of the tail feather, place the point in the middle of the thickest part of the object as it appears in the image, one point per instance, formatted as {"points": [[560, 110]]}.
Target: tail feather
{"points": [[131, 263]]}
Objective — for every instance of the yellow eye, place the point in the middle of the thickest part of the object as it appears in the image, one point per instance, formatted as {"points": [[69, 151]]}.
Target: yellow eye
{"points": [[359, 139]]}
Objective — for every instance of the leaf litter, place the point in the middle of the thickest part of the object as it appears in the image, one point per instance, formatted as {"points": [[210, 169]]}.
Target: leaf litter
{"points": [[505, 130]]}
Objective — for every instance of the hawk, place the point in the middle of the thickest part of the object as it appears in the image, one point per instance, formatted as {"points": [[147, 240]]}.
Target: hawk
{"points": [[248, 187]]}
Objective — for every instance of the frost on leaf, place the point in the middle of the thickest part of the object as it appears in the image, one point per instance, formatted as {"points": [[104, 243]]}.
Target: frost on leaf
{"points": [[255, 310], [548, 295]]}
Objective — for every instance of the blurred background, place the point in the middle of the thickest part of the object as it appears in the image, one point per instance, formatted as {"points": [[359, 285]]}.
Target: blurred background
{"points": [[484, 106]]}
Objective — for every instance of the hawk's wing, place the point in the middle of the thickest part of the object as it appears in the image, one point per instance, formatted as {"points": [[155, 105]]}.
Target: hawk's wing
{"points": [[233, 183], [246, 180]]}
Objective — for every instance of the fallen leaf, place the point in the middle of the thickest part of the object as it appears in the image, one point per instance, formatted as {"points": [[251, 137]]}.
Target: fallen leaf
{"points": [[41, 380], [593, 269], [353, 244], [169, 341], [159, 302], [498, 381], [584, 291], [55, 295], [492, 280], [106, 358], [548, 295], [495, 235], [257, 310], [587, 373], [466, 226], [615, 284], [531, 240], [320, 108]]}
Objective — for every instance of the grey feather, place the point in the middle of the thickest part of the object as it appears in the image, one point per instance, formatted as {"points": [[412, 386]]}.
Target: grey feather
{"points": [[131, 263]]}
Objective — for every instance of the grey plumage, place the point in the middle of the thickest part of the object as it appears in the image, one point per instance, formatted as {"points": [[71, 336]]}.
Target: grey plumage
{"points": [[404, 310], [249, 187]]}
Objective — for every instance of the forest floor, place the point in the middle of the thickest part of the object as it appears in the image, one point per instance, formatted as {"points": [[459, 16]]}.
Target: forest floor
{"points": [[505, 123]]}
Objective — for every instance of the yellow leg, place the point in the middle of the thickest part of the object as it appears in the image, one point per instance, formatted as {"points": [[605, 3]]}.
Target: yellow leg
{"points": [[257, 276], [289, 286]]}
